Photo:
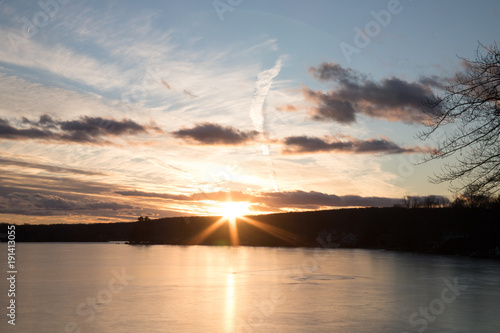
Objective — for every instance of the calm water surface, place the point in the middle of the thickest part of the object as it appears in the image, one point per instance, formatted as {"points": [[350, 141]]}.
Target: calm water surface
{"points": [[119, 288]]}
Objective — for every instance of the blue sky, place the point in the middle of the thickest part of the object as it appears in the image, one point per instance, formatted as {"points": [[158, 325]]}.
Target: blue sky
{"points": [[113, 109]]}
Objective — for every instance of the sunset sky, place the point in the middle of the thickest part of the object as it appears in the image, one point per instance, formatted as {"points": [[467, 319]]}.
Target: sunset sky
{"points": [[113, 109]]}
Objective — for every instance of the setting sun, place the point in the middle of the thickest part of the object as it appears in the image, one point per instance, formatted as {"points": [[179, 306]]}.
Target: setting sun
{"points": [[232, 210]]}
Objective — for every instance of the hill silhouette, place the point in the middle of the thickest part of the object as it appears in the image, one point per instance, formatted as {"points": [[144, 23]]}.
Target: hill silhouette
{"points": [[462, 231]]}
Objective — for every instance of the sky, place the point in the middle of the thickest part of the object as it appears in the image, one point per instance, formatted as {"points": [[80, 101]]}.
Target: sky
{"points": [[115, 109]]}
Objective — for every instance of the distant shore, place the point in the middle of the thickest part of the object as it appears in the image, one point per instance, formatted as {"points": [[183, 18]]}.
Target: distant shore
{"points": [[456, 231]]}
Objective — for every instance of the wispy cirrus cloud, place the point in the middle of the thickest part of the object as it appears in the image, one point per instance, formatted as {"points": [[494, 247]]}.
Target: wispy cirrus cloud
{"points": [[307, 144], [199, 196], [214, 134], [47, 167], [143, 194]]}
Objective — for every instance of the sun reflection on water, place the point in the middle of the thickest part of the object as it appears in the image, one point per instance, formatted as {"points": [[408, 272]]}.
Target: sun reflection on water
{"points": [[229, 313]]}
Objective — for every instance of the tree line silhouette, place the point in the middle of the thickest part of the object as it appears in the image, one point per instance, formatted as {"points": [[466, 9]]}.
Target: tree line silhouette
{"points": [[448, 230]]}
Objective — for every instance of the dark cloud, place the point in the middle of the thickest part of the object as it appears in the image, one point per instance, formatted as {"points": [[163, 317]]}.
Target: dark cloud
{"points": [[334, 72], [315, 200], [276, 201], [24, 203], [11, 133], [306, 144], [329, 107], [45, 121], [214, 134], [98, 126], [391, 99], [84, 130]]}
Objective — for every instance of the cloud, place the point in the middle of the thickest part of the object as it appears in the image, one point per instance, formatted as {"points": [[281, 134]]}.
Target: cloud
{"points": [[215, 196], [222, 196], [329, 107], [391, 99], [275, 201], [46, 205], [50, 168], [434, 81], [287, 107], [45, 121], [189, 93], [264, 82], [84, 130], [214, 134], [315, 200], [306, 144], [90, 129], [136, 193]]}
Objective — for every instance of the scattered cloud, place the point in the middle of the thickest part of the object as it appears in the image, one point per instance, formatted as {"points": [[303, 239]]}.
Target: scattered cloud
{"points": [[214, 134], [191, 94], [392, 99], [287, 107], [306, 144], [83, 130], [9, 132], [165, 83]]}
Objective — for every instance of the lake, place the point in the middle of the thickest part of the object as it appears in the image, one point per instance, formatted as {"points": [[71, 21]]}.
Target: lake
{"points": [[101, 288]]}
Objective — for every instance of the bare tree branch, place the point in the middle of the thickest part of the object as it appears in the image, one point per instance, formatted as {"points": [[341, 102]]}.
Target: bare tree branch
{"points": [[469, 115]]}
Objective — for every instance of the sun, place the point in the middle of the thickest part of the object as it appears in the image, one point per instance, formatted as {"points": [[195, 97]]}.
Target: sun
{"points": [[232, 210]]}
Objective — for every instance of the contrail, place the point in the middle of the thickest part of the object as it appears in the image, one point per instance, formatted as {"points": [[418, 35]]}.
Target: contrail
{"points": [[264, 81]]}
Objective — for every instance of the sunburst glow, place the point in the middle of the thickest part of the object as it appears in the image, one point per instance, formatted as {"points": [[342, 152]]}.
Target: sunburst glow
{"points": [[232, 210]]}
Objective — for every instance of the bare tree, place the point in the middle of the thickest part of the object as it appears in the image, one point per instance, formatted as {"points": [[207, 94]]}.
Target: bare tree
{"points": [[429, 201], [469, 112]]}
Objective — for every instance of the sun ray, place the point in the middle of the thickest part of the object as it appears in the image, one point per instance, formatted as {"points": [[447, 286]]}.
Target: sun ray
{"points": [[233, 231], [207, 232], [233, 213], [287, 236]]}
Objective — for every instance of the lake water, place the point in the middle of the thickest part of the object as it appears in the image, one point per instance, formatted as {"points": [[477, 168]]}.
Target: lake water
{"points": [[101, 288]]}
